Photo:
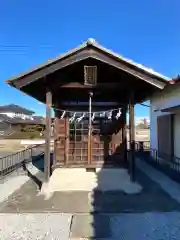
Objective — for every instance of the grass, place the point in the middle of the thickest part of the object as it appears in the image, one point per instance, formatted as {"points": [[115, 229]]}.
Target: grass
{"points": [[24, 135]]}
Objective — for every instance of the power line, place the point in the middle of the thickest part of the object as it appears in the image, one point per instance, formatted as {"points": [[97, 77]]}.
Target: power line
{"points": [[13, 46], [25, 49]]}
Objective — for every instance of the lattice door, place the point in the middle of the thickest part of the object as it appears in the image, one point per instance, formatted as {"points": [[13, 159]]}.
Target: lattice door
{"points": [[78, 143]]}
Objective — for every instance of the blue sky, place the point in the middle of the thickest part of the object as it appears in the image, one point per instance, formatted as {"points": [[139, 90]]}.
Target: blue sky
{"points": [[34, 31]]}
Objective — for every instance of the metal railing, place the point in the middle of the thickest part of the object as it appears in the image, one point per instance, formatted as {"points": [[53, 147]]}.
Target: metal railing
{"points": [[14, 161], [140, 145], [166, 163], [169, 161]]}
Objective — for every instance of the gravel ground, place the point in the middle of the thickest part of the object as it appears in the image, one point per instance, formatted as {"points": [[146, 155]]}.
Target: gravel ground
{"points": [[34, 226]]}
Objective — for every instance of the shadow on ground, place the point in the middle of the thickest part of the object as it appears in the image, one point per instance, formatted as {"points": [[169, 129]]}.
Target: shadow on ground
{"points": [[152, 199], [34, 178], [39, 163], [93, 210]]}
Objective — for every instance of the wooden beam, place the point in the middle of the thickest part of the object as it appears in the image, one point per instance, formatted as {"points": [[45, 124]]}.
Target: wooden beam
{"points": [[109, 85], [131, 122], [65, 95], [48, 135]]}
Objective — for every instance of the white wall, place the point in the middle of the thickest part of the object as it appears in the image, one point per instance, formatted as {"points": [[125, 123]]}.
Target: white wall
{"points": [[167, 98]]}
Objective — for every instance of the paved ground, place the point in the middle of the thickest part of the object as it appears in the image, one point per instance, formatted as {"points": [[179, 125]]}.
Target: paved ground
{"points": [[13, 181], [144, 226], [34, 226], [151, 214], [152, 198]]}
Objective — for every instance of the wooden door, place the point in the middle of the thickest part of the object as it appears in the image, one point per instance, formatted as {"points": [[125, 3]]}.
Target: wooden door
{"points": [[61, 130]]}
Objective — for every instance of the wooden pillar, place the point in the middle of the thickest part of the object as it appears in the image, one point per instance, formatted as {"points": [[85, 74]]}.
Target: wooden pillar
{"points": [[47, 135], [132, 141], [131, 123], [55, 138], [124, 132]]}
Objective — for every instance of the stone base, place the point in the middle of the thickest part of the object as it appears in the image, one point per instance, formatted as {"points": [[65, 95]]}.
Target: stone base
{"points": [[78, 179]]}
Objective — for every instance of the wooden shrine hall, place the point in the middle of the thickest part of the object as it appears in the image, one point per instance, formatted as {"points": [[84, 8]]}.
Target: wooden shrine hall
{"points": [[89, 79]]}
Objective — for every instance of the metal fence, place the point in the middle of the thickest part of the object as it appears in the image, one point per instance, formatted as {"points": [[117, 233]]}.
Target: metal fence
{"points": [[168, 164], [169, 161], [14, 161], [140, 145]]}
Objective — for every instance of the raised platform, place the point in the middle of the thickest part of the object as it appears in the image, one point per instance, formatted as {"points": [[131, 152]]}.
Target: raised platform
{"points": [[79, 179]]}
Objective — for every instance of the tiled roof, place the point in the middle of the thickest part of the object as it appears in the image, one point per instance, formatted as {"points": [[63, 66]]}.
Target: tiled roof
{"points": [[96, 45], [15, 109]]}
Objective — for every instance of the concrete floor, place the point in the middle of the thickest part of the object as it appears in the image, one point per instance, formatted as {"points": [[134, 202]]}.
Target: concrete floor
{"points": [[151, 198], [150, 214]]}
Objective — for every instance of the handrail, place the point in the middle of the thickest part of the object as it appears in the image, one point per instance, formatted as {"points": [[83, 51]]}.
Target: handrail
{"points": [[22, 150], [14, 161]]}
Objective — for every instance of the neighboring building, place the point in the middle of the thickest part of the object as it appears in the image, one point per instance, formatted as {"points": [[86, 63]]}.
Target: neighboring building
{"points": [[165, 120], [14, 118], [144, 121], [16, 111]]}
